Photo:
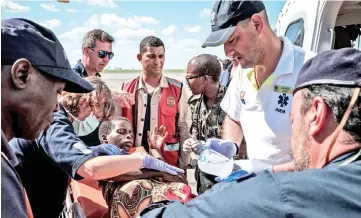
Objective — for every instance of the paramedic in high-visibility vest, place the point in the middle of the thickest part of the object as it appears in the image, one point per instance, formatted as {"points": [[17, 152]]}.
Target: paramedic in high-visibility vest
{"points": [[258, 99], [159, 100]]}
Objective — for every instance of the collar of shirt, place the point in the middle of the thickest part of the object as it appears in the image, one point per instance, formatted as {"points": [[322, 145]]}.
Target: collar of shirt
{"points": [[286, 63], [221, 92], [162, 84], [81, 70], [345, 158], [62, 110]]}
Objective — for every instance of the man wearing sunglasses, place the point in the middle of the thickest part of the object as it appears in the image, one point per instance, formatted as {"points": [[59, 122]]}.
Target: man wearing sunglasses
{"points": [[326, 147], [97, 52]]}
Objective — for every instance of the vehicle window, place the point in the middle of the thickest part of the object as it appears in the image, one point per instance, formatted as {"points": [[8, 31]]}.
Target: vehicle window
{"points": [[295, 32]]}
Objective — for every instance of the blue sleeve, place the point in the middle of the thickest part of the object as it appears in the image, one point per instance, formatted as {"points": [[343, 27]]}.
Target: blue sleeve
{"points": [[255, 197], [63, 146]]}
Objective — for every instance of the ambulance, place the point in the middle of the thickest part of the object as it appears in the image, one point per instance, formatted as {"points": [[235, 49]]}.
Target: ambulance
{"points": [[321, 25]]}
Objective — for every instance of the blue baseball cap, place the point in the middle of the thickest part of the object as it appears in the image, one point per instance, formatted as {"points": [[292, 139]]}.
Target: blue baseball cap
{"points": [[22, 38], [335, 67], [225, 16]]}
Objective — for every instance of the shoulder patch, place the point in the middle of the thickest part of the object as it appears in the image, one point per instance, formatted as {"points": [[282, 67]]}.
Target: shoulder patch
{"points": [[174, 82], [82, 147]]}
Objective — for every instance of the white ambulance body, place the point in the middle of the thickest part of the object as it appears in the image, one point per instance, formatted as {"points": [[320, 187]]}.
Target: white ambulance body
{"points": [[321, 25]]}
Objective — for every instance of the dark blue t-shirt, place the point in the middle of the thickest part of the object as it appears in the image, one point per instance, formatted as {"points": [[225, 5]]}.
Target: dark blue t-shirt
{"points": [[12, 192], [47, 164]]}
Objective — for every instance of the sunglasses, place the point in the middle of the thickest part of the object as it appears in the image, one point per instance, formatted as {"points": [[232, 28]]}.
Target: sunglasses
{"points": [[193, 77], [103, 54]]}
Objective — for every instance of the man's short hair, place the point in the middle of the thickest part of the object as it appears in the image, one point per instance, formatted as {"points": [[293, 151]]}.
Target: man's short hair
{"points": [[337, 99], [150, 41], [90, 38], [107, 126], [207, 64]]}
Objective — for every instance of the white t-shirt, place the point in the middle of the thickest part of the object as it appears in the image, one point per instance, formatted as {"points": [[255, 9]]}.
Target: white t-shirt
{"points": [[264, 114]]}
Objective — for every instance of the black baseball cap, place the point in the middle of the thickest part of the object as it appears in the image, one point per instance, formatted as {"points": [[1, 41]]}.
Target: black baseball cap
{"points": [[225, 16], [22, 38], [335, 67]]}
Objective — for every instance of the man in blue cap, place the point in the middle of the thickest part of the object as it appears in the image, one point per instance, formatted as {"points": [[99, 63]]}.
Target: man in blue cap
{"points": [[34, 70], [326, 147]]}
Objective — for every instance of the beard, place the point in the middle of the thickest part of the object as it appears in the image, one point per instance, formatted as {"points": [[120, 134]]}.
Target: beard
{"points": [[255, 53], [301, 151], [23, 128]]}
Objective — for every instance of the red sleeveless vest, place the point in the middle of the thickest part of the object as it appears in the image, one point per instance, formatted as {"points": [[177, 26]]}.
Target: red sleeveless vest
{"points": [[167, 116]]}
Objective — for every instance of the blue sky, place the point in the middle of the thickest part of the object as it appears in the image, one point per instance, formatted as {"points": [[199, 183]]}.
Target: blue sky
{"points": [[182, 25]]}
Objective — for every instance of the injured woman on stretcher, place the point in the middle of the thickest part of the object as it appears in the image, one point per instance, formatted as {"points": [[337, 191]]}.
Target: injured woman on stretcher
{"points": [[128, 194]]}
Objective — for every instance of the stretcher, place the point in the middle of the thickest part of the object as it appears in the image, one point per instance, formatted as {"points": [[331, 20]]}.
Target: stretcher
{"points": [[85, 200]]}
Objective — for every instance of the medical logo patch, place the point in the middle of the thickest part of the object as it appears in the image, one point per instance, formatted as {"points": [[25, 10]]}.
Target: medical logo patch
{"points": [[170, 101], [282, 102], [242, 97]]}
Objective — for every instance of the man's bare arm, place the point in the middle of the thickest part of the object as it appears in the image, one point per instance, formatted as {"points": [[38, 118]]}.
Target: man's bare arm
{"points": [[290, 166], [232, 130], [137, 174], [103, 167]]}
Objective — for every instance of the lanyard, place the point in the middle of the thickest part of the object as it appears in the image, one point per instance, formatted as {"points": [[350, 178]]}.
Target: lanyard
{"points": [[341, 125]]}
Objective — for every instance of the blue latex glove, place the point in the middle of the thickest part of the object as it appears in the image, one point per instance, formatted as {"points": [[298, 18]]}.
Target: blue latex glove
{"points": [[150, 162], [107, 149], [233, 176], [225, 147]]}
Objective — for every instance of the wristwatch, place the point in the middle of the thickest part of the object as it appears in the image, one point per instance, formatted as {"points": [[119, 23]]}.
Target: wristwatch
{"points": [[237, 152]]}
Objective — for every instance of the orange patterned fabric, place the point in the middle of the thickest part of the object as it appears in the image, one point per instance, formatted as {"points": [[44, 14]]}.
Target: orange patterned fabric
{"points": [[127, 199]]}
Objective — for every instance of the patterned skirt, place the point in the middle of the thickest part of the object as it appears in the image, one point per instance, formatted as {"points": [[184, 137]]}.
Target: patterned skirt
{"points": [[132, 197]]}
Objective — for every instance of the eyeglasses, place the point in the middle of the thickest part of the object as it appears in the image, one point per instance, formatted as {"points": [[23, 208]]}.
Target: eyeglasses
{"points": [[193, 77], [103, 54]]}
